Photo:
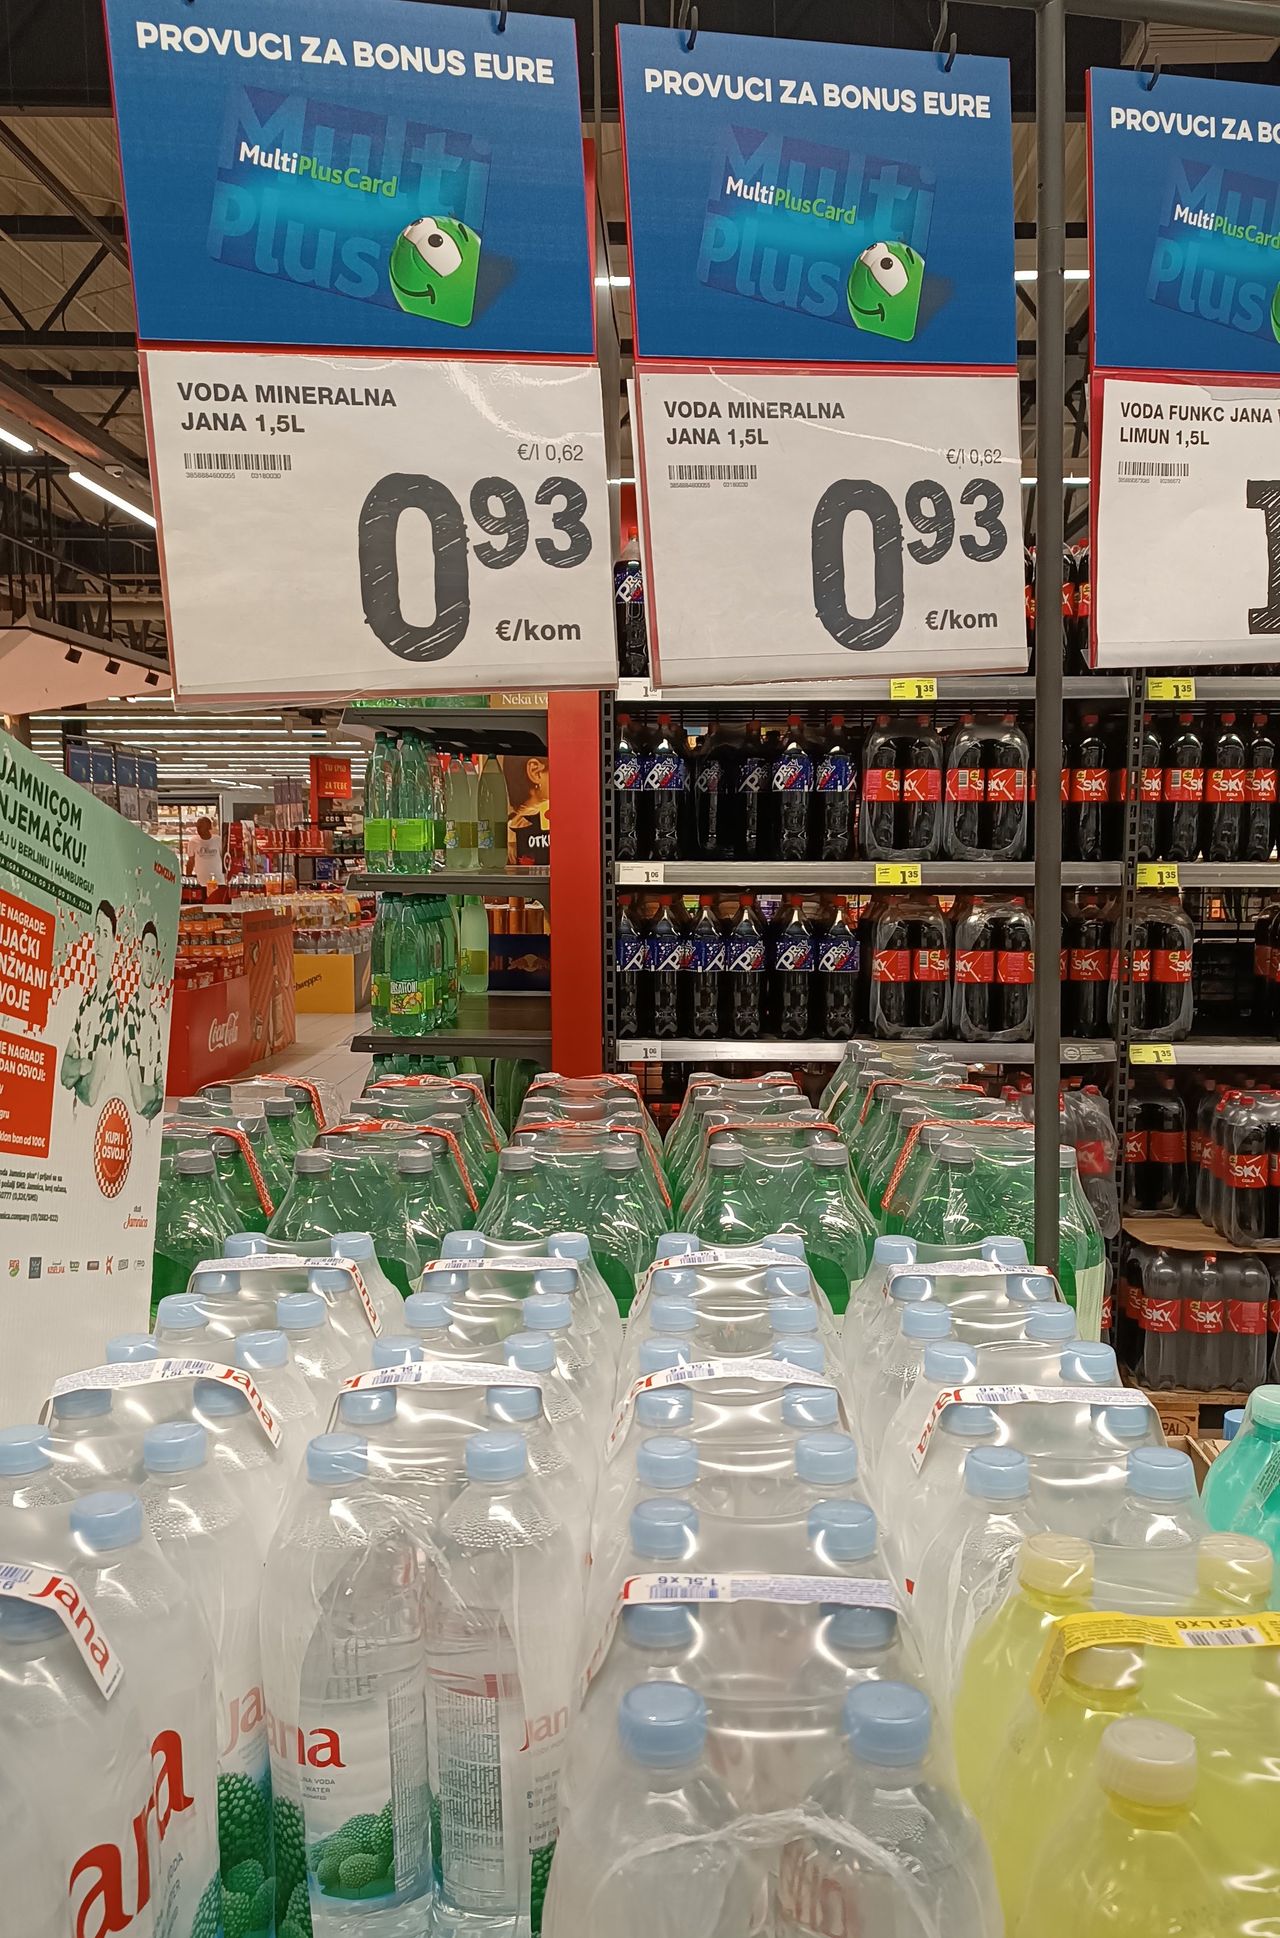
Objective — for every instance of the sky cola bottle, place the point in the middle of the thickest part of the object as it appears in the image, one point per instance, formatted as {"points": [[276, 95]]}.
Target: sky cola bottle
{"points": [[1090, 982], [1086, 831], [975, 972], [1182, 792], [1006, 764], [1260, 792], [1222, 832], [921, 804], [1151, 765], [962, 816], [1015, 971], [881, 790]]}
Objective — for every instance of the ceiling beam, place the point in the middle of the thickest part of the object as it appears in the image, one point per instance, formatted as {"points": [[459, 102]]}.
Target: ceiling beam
{"points": [[79, 379], [114, 244], [54, 228], [67, 428], [68, 340]]}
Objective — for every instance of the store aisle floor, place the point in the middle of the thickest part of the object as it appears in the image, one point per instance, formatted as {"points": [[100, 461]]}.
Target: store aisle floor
{"points": [[320, 1052]]}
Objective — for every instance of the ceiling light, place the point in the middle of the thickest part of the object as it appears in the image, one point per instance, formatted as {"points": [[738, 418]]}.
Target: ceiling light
{"points": [[613, 282], [1071, 484], [121, 504], [1068, 275], [18, 443]]}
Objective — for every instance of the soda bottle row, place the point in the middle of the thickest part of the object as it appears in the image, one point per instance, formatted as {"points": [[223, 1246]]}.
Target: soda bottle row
{"points": [[1075, 599], [425, 811], [1196, 1319], [415, 977], [1208, 787]]}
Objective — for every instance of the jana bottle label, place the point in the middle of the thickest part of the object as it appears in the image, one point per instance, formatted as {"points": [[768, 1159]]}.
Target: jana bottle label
{"points": [[377, 836], [630, 954], [882, 784], [744, 955], [409, 837], [795, 955], [664, 774], [363, 1780], [708, 954], [793, 774], [835, 774], [838, 955]]}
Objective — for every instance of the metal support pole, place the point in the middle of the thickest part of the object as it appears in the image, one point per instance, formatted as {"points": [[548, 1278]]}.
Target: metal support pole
{"points": [[1051, 113]]}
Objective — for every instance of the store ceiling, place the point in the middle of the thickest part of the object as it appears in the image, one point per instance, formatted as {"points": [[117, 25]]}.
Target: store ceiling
{"points": [[230, 752]]}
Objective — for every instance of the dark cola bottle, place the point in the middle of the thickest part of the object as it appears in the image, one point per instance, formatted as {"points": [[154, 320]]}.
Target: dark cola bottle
{"points": [[707, 959], [629, 819], [1084, 608], [793, 967], [1089, 971], [628, 615], [930, 969], [1015, 971], [629, 960], [1085, 829], [881, 790], [792, 784], [666, 782], [888, 957], [963, 789], [1155, 1151], [1260, 792], [973, 1000], [1182, 791], [920, 832], [837, 976], [752, 800], [1029, 602], [664, 962], [1225, 806], [1070, 593], [714, 769], [1164, 937], [837, 794], [1006, 765], [1244, 1194], [1265, 931], [744, 971], [1150, 777]]}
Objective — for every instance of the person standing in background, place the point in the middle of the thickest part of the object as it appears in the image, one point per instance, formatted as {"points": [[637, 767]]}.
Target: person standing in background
{"points": [[204, 857]]}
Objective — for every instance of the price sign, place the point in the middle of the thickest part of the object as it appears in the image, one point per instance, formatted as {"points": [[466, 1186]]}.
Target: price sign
{"points": [[898, 874], [1151, 1053], [913, 689], [1171, 689], [393, 525], [1157, 874], [870, 521], [1190, 485], [640, 874]]}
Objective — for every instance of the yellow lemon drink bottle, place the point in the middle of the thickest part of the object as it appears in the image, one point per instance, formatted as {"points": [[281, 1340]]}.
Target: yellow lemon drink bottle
{"points": [[1055, 1578]]}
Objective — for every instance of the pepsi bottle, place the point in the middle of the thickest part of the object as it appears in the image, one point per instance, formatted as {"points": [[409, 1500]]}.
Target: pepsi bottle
{"points": [[793, 963], [836, 796], [706, 972], [664, 950], [666, 782], [792, 785], [628, 799], [629, 957], [837, 976], [752, 798], [744, 971]]}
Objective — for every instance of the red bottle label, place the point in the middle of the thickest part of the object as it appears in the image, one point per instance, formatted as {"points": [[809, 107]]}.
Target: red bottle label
{"points": [[1093, 1160], [1159, 1315], [1029, 598], [922, 784], [1171, 965], [1062, 965], [1084, 599], [1247, 1173], [1108, 1313], [1225, 784], [1065, 786], [975, 965], [882, 784], [1140, 971], [1007, 784], [1168, 1147], [1260, 784], [1195, 1147], [1248, 1316], [1184, 783], [1016, 965], [1068, 600], [1135, 1147], [891, 965], [931, 965], [1263, 961], [1088, 784], [1205, 1315], [1118, 784], [964, 783], [1150, 791], [1090, 965]]}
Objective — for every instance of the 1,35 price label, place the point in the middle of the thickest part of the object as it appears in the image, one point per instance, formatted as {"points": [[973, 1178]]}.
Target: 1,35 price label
{"points": [[1157, 874], [898, 874], [1151, 1053]]}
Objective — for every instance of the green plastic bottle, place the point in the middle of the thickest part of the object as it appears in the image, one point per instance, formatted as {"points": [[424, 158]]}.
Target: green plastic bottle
{"points": [[619, 1222], [1082, 1252], [839, 1235], [1242, 1489], [237, 1181], [377, 806], [417, 1220], [280, 1115], [944, 1209], [519, 1206], [192, 1222], [314, 1208], [725, 1210], [411, 810], [408, 985]]}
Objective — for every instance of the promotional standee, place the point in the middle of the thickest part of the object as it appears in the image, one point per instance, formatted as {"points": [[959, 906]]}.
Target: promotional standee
{"points": [[409, 184], [88, 927], [826, 358], [1184, 227]]}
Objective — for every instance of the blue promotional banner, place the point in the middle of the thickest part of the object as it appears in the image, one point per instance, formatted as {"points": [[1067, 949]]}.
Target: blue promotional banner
{"points": [[794, 201], [1184, 223], [396, 177]]}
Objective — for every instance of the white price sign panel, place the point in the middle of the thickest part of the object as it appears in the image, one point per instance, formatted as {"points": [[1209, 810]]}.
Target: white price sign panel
{"points": [[824, 527], [380, 525], [1190, 487]]}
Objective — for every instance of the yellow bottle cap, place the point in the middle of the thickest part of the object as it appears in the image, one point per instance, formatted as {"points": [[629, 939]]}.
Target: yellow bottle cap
{"points": [[1056, 1564], [1234, 1565], [1105, 1668], [1147, 1762]]}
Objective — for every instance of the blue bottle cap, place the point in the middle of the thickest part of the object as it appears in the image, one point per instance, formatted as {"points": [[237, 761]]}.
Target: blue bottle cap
{"points": [[826, 1459], [658, 1353], [328, 1278], [175, 1448], [926, 1320], [842, 1530], [396, 1349], [496, 1456], [950, 1364], [515, 1403], [337, 1457], [791, 1316], [888, 1723], [671, 1317], [533, 1352], [996, 1474], [178, 1313], [894, 1251], [808, 1407], [910, 1286], [352, 1244], [85, 1404], [244, 1244], [219, 1399], [784, 1241], [1089, 1363], [1002, 1250], [675, 1244], [662, 1725], [300, 1311], [1125, 1422], [667, 1461], [103, 1522], [1232, 1421], [261, 1350], [24, 1450], [442, 1283], [968, 1422], [547, 1312], [367, 1406], [860, 1628], [789, 1282], [801, 1350], [1050, 1325], [657, 1625], [22, 1622], [664, 1530], [1031, 1288], [1161, 1474], [672, 1282], [210, 1285], [130, 1348], [424, 1312], [463, 1244], [672, 1408], [556, 1281], [569, 1244]]}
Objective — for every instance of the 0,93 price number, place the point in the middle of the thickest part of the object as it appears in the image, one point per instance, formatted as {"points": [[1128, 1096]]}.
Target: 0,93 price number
{"points": [[976, 525], [559, 533]]}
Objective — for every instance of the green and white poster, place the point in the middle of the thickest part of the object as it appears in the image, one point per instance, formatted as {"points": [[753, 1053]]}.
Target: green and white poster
{"points": [[88, 929]]}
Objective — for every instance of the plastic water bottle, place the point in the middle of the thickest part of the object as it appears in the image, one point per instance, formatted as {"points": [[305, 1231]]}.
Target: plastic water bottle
{"points": [[968, 1566], [359, 1247], [182, 1331], [649, 1854], [915, 1860], [346, 1314], [946, 1364], [158, 1628], [257, 1472], [473, 947], [34, 1496], [292, 1400], [92, 1448], [319, 1351], [535, 1352], [312, 1208], [923, 1323], [1161, 1508], [344, 1672], [1244, 1497], [550, 1462], [461, 812], [503, 1621], [492, 808], [589, 1380], [204, 1533]]}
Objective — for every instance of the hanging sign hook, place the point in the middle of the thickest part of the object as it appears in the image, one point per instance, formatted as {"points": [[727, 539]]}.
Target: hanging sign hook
{"points": [[500, 24], [688, 17], [1144, 54], [941, 39]]}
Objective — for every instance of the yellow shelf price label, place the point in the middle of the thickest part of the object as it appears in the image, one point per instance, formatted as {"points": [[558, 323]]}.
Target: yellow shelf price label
{"points": [[898, 874], [1157, 874], [1184, 689], [913, 689], [1151, 1053]]}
